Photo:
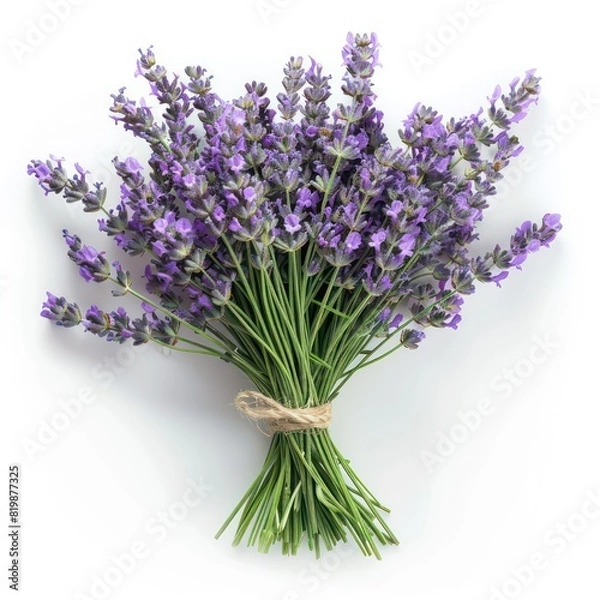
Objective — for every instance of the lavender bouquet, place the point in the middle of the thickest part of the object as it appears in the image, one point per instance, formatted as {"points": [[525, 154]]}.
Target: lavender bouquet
{"points": [[300, 245]]}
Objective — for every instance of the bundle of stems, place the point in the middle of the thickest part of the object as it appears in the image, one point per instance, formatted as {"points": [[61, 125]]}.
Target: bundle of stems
{"points": [[301, 246]]}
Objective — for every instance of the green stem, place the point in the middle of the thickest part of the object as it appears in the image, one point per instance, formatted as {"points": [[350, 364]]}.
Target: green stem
{"points": [[328, 502], [367, 360]]}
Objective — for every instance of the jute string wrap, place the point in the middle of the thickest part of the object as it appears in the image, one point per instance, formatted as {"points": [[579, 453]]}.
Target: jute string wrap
{"points": [[277, 417]]}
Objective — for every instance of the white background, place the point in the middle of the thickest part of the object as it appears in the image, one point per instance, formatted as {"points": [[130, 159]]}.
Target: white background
{"points": [[470, 521]]}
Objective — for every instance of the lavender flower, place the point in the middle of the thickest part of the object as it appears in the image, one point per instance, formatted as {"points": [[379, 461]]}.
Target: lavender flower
{"points": [[52, 177], [92, 264], [296, 241], [50, 174], [60, 311]]}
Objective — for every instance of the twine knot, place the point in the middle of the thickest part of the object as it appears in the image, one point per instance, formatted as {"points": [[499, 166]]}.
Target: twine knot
{"points": [[277, 417]]}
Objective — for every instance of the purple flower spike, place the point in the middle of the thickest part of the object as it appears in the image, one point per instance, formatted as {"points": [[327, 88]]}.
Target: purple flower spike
{"points": [[92, 264], [60, 311], [96, 321], [270, 176], [51, 175]]}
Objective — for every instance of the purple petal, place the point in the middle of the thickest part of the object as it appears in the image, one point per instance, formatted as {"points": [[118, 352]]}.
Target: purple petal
{"points": [[353, 241], [500, 277], [292, 223]]}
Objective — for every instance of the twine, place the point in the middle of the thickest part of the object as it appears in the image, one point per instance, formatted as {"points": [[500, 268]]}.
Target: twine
{"points": [[277, 417]]}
